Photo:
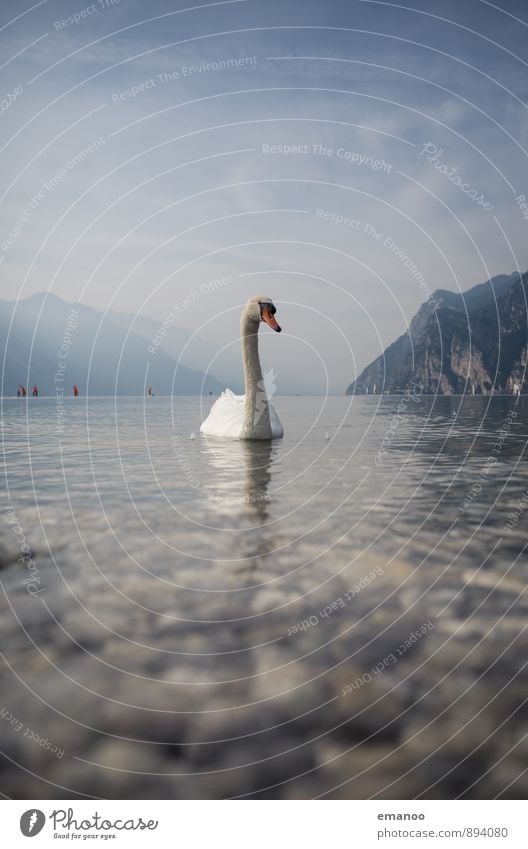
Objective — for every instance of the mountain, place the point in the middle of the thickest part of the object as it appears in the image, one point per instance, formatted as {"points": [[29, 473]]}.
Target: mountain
{"points": [[47, 337], [475, 342], [179, 343]]}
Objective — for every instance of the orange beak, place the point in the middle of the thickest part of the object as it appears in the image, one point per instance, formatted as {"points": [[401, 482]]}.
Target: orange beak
{"points": [[270, 320]]}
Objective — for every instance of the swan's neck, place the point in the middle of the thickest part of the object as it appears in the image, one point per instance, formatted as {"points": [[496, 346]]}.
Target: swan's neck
{"points": [[257, 423]]}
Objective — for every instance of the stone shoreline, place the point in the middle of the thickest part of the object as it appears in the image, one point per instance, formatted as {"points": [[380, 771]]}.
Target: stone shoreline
{"points": [[192, 694]]}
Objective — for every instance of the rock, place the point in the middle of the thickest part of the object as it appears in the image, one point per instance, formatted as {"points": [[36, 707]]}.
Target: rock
{"points": [[454, 345]]}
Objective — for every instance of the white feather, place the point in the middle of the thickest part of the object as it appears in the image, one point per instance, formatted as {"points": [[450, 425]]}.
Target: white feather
{"points": [[227, 417]]}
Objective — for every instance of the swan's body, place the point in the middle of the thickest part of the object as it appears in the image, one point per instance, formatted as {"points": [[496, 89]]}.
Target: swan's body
{"points": [[249, 416], [227, 418]]}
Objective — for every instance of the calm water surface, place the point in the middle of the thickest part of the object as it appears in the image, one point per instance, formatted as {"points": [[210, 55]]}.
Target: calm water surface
{"points": [[391, 471], [164, 653]]}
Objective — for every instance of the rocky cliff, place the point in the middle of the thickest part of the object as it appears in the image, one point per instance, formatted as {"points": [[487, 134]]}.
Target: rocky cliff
{"points": [[473, 342]]}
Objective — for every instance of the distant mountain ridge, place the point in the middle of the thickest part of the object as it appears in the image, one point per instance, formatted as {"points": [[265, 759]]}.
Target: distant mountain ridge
{"points": [[192, 350], [474, 342], [101, 355]]}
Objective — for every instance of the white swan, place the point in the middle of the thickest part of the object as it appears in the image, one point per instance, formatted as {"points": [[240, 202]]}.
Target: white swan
{"points": [[249, 416]]}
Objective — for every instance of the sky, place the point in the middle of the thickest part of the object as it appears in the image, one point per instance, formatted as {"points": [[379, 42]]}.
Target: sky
{"points": [[344, 158]]}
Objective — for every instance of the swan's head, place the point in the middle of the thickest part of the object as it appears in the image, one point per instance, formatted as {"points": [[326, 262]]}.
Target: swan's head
{"points": [[262, 308]]}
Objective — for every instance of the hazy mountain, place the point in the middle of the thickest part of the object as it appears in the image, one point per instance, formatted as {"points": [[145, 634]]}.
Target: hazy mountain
{"points": [[99, 354], [475, 341], [197, 353], [192, 350]]}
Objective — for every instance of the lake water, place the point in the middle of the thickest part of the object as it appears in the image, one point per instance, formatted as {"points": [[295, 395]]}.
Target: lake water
{"points": [[204, 604]]}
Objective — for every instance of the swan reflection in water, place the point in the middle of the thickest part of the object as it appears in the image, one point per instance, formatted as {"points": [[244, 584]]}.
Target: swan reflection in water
{"points": [[241, 474], [239, 496], [259, 457]]}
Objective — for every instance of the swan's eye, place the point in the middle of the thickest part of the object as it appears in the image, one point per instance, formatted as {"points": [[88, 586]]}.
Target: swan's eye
{"points": [[265, 305]]}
